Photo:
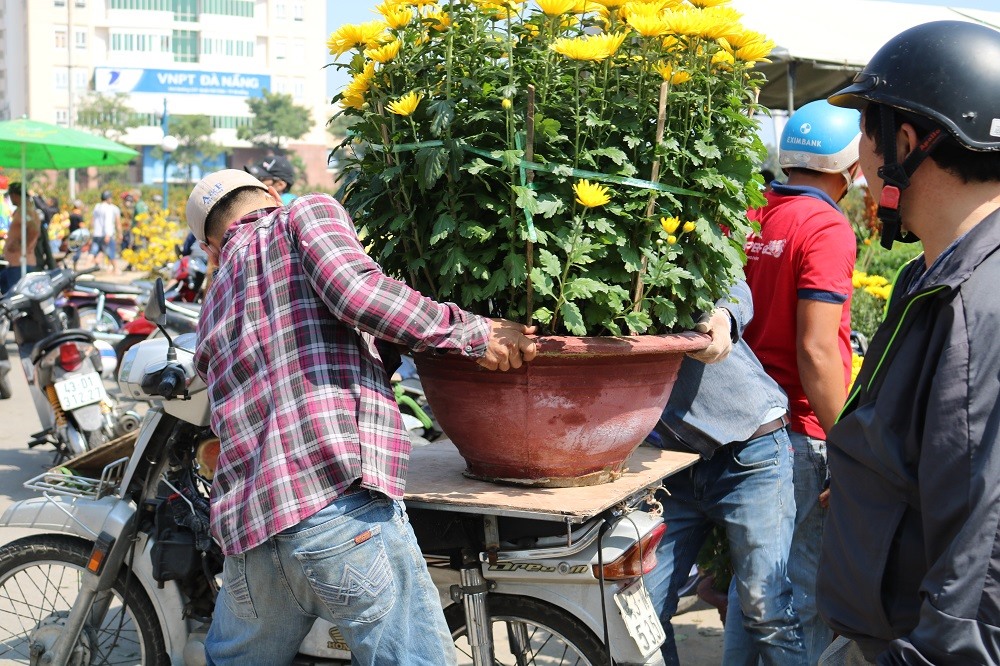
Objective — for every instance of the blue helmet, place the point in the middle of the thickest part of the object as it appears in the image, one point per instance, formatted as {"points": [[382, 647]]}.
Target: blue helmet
{"points": [[821, 137]]}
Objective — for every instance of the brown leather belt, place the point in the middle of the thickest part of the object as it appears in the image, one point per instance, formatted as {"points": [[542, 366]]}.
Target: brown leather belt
{"points": [[770, 426]]}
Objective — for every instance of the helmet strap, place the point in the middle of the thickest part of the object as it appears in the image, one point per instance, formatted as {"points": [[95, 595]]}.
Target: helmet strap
{"points": [[896, 176]]}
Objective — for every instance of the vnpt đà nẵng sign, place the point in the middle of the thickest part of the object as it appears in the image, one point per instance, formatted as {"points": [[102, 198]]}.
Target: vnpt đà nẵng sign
{"points": [[179, 81]]}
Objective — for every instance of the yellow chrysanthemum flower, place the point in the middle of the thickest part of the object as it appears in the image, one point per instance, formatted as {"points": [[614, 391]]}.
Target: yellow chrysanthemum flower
{"points": [[406, 105], [689, 227], [556, 7], [670, 224], [439, 20], [648, 25], [685, 22], [594, 48], [355, 35], [507, 104], [708, 3], [610, 4], [385, 53], [398, 17], [740, 38], [755, 52], [668, 73], [591, 195], [724, 60], [672, 239], [357, 89]]}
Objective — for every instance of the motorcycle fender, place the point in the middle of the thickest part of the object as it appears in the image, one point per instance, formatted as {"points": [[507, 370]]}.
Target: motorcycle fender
{"points": [[89, 516], [88, 417]]}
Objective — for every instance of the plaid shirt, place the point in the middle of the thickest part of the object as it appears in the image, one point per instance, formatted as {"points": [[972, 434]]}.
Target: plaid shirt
{"points": [[300, 399]]}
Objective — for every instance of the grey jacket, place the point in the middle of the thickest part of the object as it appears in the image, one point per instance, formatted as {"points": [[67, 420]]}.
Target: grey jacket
{"points": [[910, 565], [715, 404]]}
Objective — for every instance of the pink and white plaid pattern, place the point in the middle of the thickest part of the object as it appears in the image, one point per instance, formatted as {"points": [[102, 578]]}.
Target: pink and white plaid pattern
{"points": [[299, 396]]}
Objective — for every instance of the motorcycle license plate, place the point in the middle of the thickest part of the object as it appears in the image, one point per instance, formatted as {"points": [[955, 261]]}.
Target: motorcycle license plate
{"points": [[640, 619], [80, 390]]}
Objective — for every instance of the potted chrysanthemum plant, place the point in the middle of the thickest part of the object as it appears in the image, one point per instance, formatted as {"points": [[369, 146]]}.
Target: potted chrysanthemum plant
{"points": [[583, 165]]}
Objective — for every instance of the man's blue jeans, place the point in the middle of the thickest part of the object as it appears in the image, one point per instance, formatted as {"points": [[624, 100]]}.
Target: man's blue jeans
{"points": [[355, 563], [746, 488], [810, 470]]}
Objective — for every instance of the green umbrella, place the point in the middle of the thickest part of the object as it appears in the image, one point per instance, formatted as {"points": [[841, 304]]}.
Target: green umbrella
{"points": [[29, 144]]}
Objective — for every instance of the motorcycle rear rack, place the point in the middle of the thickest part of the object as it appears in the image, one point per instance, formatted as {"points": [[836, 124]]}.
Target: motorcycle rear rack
{"points": [[56, 482]]}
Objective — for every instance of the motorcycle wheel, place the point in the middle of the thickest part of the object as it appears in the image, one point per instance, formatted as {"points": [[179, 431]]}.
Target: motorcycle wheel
{"points": [[39, 581], [554, 636], [106, 322]]}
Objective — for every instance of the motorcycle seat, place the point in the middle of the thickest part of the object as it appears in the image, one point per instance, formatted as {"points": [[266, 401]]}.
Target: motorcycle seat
{"points": [[111, 287], [186, 308], [56, 339]]}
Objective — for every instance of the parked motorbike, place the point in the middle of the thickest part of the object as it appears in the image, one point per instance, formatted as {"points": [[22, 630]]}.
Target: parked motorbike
{"points": [[126, 571], [63, 367], [181, 317], [100, 307]]}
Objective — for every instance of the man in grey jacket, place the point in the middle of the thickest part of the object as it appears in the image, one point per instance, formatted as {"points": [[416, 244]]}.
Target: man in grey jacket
{"points": [[910, 570], [728, 410]]}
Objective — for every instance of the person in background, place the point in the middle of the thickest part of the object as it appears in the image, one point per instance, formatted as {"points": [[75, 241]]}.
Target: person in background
{"points": [[312, 488], [277, 172], [76, 221], [725, 408], [911, 553], [799, 268], [12, 248], [5, 207], [105, 222], [768, 177]]}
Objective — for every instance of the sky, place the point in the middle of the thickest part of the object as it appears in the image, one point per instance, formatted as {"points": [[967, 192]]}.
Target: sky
{"points": [[340, 12]]}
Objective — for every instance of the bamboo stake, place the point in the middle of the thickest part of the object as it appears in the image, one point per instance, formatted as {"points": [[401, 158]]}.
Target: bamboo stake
{"points": [[661, 120], [529, 156]]}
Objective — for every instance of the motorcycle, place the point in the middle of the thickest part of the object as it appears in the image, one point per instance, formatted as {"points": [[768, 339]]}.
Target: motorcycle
{"points": [[181, 317], [128, 573], [100, 307], [63, 367]]}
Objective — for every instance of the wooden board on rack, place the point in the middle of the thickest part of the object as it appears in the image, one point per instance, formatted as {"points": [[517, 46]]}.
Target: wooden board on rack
{"points": [[92, 462], [435, 481]]}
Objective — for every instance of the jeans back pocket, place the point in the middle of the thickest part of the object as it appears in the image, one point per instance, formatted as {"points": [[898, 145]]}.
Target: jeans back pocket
{"points": [[234, 585], [353, 579]]}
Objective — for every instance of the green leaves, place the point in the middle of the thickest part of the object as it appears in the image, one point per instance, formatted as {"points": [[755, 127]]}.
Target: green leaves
{"points": [[448, 211]]}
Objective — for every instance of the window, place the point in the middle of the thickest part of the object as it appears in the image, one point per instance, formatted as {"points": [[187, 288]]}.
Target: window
{"points": [[298, 50], [279, 11], [62, 79], [81, 79], [298, 90], [58, 3], [185, 46], [80, 3], [144, 5], [62, 117], [280, 49], [238, 8], [297, 13], [81, 39], [185, 10], [60, 38]]}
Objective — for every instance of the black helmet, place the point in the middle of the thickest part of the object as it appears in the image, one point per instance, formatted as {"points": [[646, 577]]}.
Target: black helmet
{"points": [[945, 70]]}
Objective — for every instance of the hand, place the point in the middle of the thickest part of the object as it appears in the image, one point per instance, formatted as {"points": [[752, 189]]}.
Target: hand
{"points": [[824, 499], [508, 347], [719, 325]]}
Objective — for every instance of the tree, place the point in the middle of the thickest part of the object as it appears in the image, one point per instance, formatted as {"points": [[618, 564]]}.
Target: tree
{"points": [[194, 143], [276, 119], [109, 115]]}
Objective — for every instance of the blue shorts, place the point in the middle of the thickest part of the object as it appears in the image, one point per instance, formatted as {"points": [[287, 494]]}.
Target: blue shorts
{"points": [[99, 245]]}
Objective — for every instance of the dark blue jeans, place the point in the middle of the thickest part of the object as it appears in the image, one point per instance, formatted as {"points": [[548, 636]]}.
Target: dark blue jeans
{"points": [[746, 488], [9, 277]]}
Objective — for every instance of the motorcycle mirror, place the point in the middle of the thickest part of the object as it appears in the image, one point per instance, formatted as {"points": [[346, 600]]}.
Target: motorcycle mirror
{"points": [[156, 308]]}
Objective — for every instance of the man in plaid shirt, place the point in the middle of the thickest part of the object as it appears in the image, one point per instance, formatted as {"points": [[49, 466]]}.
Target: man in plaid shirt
{"points": [[306, 497]]}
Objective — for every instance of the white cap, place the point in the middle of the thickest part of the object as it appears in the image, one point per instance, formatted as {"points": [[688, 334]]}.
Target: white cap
{"points": [[210, 190]]}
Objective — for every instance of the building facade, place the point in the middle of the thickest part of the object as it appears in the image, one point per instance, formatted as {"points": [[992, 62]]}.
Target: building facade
{"points": [[203, 57]]}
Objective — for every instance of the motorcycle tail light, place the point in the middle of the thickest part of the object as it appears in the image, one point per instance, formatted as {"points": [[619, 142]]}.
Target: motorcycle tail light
{"points": [[207, 456], [69, 356], [638, 560]]}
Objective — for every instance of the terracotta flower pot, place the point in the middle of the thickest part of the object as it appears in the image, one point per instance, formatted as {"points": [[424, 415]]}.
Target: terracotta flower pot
{"points": [[571, 417]]}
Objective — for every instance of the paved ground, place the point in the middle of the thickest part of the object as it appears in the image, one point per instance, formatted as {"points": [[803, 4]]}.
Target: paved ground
{"points": [[698, 631]]}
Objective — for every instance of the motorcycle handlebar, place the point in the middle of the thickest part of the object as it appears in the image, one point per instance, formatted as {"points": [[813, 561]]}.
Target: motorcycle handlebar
{"points": [[171, 378]]}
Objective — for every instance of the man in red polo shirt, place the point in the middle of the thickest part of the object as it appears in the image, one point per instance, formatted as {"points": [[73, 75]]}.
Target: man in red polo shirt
{"points": [[799, 269]]}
